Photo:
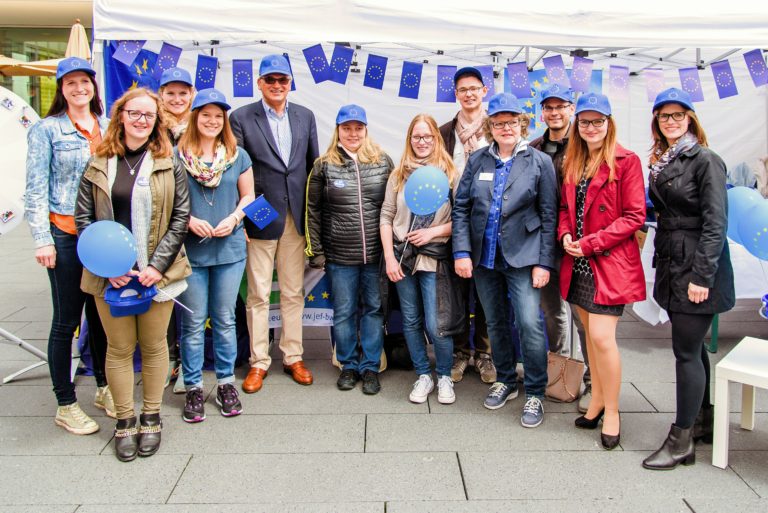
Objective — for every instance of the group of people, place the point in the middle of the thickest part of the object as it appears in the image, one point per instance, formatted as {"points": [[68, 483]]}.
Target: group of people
{"points": [[528, 228]]}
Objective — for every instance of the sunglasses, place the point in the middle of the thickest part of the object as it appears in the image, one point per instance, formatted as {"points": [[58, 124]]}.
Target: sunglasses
{"points": [[269, 79]]}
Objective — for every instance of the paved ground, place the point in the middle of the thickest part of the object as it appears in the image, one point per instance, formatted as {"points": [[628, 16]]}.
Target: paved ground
{"points": [[316, 449]]}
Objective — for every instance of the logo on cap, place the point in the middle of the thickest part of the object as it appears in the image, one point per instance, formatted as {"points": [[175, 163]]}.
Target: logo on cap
{"points": [[177, 73], [75, 63], [502, 101], [214, 96], [555, 89], [353, 112], [274, 62], [673, 94], [593, 100]]}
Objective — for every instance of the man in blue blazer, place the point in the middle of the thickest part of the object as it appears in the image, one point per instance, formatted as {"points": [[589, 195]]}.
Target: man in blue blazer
{"points": [[281, 139]]}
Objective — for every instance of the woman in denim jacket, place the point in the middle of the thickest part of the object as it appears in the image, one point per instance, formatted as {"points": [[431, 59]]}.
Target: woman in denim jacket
{"points": [[60, 146]]}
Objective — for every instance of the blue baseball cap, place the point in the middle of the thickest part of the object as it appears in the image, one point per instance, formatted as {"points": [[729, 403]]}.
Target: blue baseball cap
{"points": [[673, 95], [71, 64], [351, 112], [593, 101], [274, 64], [468, 71], [211, 95], [503, 102], [176, 75], [557, 91]]}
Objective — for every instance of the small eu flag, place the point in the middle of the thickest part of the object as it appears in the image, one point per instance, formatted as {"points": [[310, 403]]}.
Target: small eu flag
{"points": [[166, 59], [293, 77], [581, 75], [205, 76], [445, 92], [556, 70], [410, 80], [517, 81], [756, 65], [724, 82], [127, 51], [260, 212], [618, 82], [375, 70], [489, 80], [691, 83], [242, 78], [318, 64], [340, 62], [654, 82]]}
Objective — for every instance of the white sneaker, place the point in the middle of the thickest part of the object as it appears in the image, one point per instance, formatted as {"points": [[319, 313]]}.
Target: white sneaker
{"points": [[421, 389], [104, 401], [178, 387], [75, 420], [445, 394]]}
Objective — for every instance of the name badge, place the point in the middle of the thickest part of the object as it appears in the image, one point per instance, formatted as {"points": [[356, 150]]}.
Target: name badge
{"points": [[142, 181], [339, 184], [485, 177]]}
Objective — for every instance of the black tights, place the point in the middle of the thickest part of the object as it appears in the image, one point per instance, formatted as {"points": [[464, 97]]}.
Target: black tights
{"points": [[692, 365]]}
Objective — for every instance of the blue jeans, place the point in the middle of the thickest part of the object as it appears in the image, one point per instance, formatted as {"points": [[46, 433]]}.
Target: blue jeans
{"points": [[493, 284], [212, 291], [418, 304], [351, 286]]}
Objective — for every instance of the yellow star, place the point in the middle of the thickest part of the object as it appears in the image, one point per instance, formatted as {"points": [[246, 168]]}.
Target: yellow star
{"points": [[138, 69], [134, 85], [530, 115], [208, 323], [529, 104], [326, 295], [144, 66], [536, 84], [310, 297], [546, 80]]}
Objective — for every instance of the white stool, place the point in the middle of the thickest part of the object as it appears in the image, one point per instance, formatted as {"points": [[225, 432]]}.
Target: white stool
{"points": [[747, 364]]}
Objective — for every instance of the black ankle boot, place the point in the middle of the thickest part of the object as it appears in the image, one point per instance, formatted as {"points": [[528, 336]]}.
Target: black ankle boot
{"points": [[126, 439], [149, 434], [703, 426], [678, 448]]}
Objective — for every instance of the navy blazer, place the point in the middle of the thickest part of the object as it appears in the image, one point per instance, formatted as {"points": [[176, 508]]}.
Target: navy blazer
{"points": [[283, 186], [529, 209]]}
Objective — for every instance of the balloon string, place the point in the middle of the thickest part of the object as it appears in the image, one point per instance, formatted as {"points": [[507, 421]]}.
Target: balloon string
{"points": [[406, 241], [161, 291]]}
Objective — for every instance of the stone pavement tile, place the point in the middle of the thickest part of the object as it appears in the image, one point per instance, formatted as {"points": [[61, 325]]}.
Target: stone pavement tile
{"points": [[64, 508], [662, 396], [321, 478], [312, 507], [38, 436], [745, 505], [751, 467], [39, 401], [323, 373], [88, 479], [250, 434], [619, 473], [31, 313], [7, 307], [388, 433], [647, 360], [36, 330], [756, 328], [545, 505], [36, 376]]}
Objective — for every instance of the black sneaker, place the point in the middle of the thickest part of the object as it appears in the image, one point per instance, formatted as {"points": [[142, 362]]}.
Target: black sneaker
{"points": [[194, 406], [347, 379], [371, 384], [228, 400]]}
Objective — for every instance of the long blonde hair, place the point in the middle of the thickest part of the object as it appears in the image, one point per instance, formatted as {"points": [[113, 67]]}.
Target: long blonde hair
{"points": [[190, 140], [577, 155], [368, 153], [113, 143], [660, 144], [439, 157], [171, 119]]}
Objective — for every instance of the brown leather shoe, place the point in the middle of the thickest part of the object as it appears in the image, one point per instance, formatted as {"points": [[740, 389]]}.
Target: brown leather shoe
{"points": [[253, 381], [299, 373]]}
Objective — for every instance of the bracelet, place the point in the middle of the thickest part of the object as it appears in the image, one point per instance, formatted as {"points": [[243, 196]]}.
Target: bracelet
{"points": [[237, 219]]}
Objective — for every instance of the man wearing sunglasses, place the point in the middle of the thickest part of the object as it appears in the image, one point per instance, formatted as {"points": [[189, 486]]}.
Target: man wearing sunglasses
{"points": [[556, 111], [281, 139]]}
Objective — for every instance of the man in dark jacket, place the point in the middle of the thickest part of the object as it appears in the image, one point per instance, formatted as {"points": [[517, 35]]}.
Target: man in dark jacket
{"points": [[462, 136], [556, 111], [281, 139]]}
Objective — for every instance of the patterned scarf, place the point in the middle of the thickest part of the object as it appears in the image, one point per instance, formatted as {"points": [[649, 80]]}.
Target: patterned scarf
{"points": [[682, 145], [208, 176], [469, 132]]}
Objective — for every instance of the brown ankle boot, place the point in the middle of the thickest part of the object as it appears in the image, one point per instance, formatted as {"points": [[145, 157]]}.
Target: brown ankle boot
{"points": [[149, 434], [126, 439]]}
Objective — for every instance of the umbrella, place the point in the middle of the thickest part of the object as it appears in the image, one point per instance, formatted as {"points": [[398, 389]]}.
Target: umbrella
{"points": [[78, 42]]}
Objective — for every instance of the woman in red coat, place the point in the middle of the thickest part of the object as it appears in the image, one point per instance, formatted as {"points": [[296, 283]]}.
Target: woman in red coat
{"points": [[602, 205]]}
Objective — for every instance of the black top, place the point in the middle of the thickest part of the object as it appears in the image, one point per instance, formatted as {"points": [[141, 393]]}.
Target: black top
{"points": [[122, 189]]}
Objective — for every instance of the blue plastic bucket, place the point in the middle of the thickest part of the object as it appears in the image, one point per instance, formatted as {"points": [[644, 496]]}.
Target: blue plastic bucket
{"points": [[133, 299]]}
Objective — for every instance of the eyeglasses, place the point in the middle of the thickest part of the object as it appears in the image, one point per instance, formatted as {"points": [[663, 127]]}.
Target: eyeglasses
{"points": [[677, 116], [503, 124], [553, 108], [464, 90], [269, 79], [597, 123], [426, 138], [135, 115]]}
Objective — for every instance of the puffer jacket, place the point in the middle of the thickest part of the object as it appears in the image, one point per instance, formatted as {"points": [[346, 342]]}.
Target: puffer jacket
{"points": [[343, 209]]}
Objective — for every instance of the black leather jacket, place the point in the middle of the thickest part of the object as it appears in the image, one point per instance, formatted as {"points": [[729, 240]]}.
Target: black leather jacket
{"points": [[690, 199]]}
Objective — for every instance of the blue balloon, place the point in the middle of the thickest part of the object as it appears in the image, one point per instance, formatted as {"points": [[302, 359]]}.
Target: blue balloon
{"points": [[426, 190], [107, 249], [753, 229], [740, 200]]}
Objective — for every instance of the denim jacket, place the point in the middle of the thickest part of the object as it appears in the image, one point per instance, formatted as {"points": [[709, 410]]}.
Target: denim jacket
{"points": [[56, 157]]}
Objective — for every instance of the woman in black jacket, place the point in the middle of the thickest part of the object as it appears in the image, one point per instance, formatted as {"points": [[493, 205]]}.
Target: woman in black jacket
{"points": [[345, 191], [694, 277]]}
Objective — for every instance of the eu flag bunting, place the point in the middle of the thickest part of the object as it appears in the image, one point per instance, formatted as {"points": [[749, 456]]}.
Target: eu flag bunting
{"points": [[375, 70], [318, 64], [127, 51], [618, 82], [516, 80], [756, 65], [691, 83], [293, 77], [242, 78], [118, 77], [260, 212], [445, 88], [581, 75], [724, 82], [205, 76], [340, 62], [654, 82], [489, 80], [166, 59], [410, 80], [556, 70]]}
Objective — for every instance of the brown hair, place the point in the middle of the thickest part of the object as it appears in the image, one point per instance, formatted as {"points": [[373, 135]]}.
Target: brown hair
{"points": [[660, 144], [439, 157], [60, 104], [368, 153], [190, 140], [525, 121], [577, 155], [113, 144]]}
